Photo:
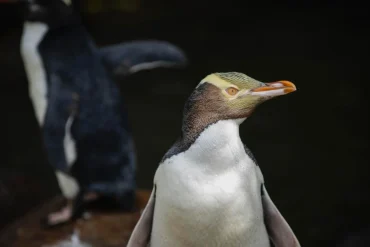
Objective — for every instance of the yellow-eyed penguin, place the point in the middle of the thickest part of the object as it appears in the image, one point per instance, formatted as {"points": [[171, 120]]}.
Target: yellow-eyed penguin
{"points": [[208, 189]]}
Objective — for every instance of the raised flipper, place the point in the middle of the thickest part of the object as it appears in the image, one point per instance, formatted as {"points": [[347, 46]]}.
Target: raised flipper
{"points": [[140, 236], [130, 57], [278, 229]]}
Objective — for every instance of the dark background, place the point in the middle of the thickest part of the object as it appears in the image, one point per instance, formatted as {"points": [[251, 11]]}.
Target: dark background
{"points": [[312, 145]]}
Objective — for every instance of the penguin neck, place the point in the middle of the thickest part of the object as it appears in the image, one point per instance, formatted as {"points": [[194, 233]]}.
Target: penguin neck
{"points": [[194, 125], [211, 134], [208, 136], [220, 140]]}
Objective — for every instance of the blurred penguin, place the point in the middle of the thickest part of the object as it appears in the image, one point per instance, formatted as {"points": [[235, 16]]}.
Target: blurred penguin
{"points": [[78, 106]]}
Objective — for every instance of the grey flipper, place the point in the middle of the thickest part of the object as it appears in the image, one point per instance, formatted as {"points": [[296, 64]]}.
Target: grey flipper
{"points": [[60, 108], [130, 57], [278, 229], [140, 236]]}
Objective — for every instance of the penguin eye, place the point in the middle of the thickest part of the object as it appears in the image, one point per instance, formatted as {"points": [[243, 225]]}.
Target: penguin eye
{"points": [[232, 91]]}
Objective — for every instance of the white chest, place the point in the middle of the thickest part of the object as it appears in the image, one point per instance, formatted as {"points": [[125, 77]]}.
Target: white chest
{"points": [[210, 194], [33, 34]]}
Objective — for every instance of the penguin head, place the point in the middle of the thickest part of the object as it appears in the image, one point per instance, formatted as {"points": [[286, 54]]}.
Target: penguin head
{"points": [[232, 95], [53, 13]]}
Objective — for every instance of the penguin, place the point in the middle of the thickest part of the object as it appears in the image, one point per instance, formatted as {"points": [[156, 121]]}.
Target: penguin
{"points": [[78, 106], [208, 189]]}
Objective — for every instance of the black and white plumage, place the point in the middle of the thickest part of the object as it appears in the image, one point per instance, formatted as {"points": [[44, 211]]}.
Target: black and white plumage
{"points": [[78, 106], [208, 189]]}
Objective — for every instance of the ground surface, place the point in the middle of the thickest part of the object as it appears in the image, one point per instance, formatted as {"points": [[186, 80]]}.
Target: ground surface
{"points": [[101, 230]]}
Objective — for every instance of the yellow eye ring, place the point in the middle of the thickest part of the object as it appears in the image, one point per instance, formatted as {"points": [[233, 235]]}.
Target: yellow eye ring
{"points": [[232, 91]]}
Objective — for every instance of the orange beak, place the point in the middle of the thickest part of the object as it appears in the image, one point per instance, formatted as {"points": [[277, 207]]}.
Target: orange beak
{"points": [[274, 89]]}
